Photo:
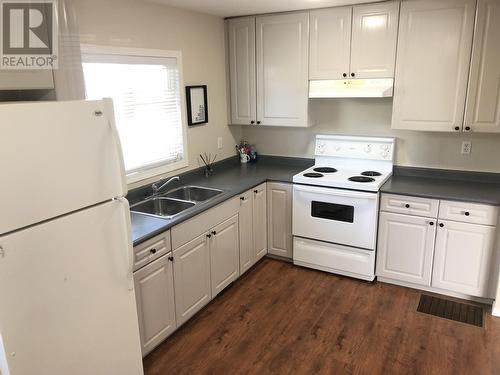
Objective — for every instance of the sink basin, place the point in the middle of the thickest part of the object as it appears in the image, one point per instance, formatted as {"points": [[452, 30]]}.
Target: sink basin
{"points": [[193, 193], [160, 206]]}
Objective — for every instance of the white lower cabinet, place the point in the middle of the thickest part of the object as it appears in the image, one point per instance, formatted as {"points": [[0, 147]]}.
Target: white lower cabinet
{"points": [[154, 293], [192, 277], [405, 247], [463, 257], [448, 252], [252, 226], [279, 219], [224, 254]]}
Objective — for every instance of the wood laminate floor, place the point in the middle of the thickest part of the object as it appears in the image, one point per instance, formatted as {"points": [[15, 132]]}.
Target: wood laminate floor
{"points": [[282, 319]]}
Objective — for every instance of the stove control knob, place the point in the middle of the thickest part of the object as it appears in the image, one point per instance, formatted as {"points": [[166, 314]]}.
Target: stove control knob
{"points": [[368, 149], [385, 147], [384, 154], [337, 148], [321, 148]]}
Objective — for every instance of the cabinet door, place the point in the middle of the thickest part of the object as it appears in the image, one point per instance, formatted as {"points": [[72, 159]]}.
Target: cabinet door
{"points": [[374, 38], [282, 69], [191, 277], [154, 294], [405, 248], [279, 214], [242, 70], [483, 99], [330, 42], [462, 257], [224, 254], [259, 212], [246, 231], [432, 65]]}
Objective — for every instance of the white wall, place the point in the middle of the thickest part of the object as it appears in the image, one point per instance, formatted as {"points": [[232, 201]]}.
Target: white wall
{"points": [[200, 38], [373, 117]]}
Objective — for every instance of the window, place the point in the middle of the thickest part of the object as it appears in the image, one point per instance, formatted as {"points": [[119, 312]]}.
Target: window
{"points": [[145, 88]]}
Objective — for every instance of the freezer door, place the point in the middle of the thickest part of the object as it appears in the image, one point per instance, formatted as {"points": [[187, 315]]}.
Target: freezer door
{"points": [[57, 157], [66, 302]]}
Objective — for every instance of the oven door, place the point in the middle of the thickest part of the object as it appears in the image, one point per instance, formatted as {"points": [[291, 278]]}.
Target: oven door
{"points": [[344, 217]]}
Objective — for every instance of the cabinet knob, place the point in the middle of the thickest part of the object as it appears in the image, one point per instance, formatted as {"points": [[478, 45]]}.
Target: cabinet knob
{"points": [[431, 223], [152, 251], [457, 128], [407, 205], [252, 122], [344, 75], [441, 225], [209, 235], [171, 259], [255, 191], [258, 122], [467, 213], [214, 232], [352, 74], [242, 198], [467, 128]]}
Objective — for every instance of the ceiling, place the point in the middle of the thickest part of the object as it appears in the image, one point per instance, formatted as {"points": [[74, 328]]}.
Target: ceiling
{"points": [[231, 8]]}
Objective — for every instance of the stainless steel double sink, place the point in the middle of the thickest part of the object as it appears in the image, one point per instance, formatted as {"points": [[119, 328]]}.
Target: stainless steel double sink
{"points": [[174, 202]]}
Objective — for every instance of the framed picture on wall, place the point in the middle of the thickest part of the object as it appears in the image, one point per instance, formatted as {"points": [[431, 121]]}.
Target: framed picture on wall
{"points": [[197, 105]]}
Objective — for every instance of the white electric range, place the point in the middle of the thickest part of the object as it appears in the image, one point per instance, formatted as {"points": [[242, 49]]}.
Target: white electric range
{"points": [[335, 204]]}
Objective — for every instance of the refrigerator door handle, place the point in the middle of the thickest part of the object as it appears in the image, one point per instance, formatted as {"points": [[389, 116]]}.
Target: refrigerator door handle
{"points": [[130, 274], [108, 105]]}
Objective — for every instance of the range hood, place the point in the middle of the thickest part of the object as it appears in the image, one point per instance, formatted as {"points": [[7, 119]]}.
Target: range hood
{"points": [[351, 88]]}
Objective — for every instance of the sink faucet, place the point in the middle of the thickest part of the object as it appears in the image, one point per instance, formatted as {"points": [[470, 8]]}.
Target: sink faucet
{"points": [[157, 189]]}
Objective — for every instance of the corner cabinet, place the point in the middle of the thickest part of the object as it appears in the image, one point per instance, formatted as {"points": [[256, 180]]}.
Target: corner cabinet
{"points": [[268, 59], [279, 219], [482, 112], [252, 226], [432, 65], [354, 42]]}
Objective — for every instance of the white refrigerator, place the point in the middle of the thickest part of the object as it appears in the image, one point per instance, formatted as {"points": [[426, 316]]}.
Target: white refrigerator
{"points": [[67, 304]]}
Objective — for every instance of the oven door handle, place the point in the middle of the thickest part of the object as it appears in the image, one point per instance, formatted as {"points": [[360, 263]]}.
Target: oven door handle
{"points": [[336, 192]]}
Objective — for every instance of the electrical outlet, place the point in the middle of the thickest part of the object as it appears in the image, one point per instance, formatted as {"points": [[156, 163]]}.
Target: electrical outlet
{"points": [[219, 143], [466, 147]]}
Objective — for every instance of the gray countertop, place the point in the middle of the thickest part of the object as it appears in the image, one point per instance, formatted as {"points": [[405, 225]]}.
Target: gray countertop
{"points": [[449, 185], [231, 177], [234, 178]]}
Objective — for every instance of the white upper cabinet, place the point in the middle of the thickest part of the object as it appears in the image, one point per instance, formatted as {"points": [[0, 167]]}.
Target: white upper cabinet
{"points": [[374, 39], [242, 70], [330, 43], [354, 42], [432, 65], [282, 48], [482, 111]]}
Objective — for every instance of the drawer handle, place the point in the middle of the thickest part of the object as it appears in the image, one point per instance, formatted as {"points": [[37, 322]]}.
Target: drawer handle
{"points": [[467, 213], [441, 225], [431, 223], [152, 251], [407, 205]]}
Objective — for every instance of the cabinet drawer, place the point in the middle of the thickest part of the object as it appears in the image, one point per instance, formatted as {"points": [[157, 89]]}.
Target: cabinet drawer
{"points": [[468, 212], [152, 249], [403, 204]]}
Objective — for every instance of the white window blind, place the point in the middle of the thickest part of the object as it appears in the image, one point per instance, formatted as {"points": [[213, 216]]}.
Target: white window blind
{"points": [[147, 103]]}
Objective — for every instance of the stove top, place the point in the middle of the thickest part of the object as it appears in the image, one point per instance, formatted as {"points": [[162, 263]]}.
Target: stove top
{"points": [[356, 163]]}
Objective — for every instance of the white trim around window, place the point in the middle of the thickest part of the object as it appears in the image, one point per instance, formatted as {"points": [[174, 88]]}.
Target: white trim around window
{"points": [[124, 55]]}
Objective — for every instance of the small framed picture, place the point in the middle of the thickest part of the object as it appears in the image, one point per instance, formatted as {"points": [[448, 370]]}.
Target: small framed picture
{"points": [[197, 105]]}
